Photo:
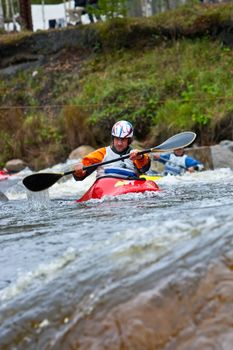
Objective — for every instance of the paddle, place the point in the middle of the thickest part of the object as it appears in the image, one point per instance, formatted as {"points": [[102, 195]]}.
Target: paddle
{"points": [[42, 181]]}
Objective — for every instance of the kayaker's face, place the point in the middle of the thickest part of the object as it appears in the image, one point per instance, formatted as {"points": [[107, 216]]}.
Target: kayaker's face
{"points": [[179, 152], [120, 144]]}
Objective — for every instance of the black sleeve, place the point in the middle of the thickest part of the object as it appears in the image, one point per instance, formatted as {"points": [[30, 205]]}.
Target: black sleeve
{"points": [[88, 172]]}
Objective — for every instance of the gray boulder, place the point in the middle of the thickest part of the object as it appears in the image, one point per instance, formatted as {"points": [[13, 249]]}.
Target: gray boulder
{"points": [[222, 157], [3, 197], [80, 152], [15, 165], [227, 144], [203, 154]]}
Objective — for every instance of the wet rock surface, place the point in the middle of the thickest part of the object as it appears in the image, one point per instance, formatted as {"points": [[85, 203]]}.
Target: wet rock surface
{"points": [[194, 313], [222, 157]]}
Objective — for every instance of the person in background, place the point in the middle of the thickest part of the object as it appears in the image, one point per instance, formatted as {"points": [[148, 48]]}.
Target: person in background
{"points": [[132, 167], [178, 162]]}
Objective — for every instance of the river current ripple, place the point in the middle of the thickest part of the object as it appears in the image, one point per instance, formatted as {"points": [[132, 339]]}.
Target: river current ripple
{"points": [[138, 272]]}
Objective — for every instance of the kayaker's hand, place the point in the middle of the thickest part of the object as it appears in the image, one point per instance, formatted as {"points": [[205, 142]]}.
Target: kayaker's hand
{"points": [[135, 156], [78, 171], [156, 156], [191, 169]]}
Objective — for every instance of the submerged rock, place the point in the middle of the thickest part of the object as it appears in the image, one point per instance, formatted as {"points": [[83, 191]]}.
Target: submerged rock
{"points": [[3, 197]]}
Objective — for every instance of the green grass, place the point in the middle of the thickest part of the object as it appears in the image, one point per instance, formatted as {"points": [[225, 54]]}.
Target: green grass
{"points": [[183, 85]]}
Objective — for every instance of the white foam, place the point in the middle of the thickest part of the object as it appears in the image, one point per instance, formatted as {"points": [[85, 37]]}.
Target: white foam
{"points": [[207, 176], [68, 187], [157, 239], [44, 272]]}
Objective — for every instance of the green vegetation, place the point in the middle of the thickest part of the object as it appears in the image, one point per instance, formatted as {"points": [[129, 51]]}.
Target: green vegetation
{"points": [[113, 8], [185, 85], [165, 81]]}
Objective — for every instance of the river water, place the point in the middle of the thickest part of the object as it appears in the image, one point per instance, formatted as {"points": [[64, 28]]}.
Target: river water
{"points": [[140, 272]]}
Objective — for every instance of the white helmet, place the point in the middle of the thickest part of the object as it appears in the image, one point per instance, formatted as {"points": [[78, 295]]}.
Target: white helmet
{"points": [[122, 129]]}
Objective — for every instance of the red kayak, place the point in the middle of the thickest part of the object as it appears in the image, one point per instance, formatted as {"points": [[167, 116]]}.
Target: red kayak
{"points": [[112, 186], [4, 175]]}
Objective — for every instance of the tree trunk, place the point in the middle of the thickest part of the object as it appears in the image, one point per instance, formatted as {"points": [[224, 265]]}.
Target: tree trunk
{"points": [[26, 14], [1, 16]]}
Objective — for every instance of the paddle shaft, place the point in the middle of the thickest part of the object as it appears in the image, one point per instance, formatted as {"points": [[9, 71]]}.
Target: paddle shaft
{"points": [[96, 165], [42, 181], [182, 140]]}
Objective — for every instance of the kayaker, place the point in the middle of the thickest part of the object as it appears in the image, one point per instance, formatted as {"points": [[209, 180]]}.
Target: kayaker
{"points": [[132, 167], [178, 162]]}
